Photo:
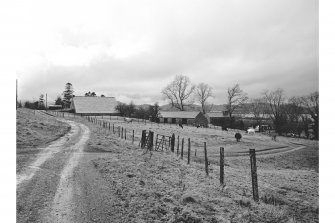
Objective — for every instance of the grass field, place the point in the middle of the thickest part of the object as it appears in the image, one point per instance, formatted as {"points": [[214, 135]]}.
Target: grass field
{"points": [[35, 130], [163, 188], [214, 138]]}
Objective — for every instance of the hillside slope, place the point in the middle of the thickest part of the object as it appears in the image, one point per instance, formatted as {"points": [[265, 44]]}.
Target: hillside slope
{"points": [[37, 129]]}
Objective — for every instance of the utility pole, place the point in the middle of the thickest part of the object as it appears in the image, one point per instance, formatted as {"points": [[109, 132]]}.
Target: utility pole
{"points": [[46, 102], [16, 94]]}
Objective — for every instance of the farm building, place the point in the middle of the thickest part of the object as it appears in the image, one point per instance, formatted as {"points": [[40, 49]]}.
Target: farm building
{"points": [[94, 105], [184, 117], [218, 118]]}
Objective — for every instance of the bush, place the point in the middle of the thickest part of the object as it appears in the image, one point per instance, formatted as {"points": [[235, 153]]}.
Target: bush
{"points": [[238, 136]]}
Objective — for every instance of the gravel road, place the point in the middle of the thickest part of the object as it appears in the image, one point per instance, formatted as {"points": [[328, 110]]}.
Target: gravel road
{"points": [[61, 184]]}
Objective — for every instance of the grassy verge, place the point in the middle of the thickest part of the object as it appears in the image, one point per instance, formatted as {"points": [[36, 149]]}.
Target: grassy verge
{"points": [[160, 187], [35, 130]]}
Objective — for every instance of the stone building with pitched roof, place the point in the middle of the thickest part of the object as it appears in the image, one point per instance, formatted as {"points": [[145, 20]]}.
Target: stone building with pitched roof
{"points": [[84, 105], [183, 117]]}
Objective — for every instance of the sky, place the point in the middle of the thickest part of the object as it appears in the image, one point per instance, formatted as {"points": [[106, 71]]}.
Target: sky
{"points": [[132, 49]]}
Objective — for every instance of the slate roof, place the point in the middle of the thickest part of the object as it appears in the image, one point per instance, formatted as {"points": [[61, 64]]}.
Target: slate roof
{"points": [[97, 105], [178, 114], [215, 114]]}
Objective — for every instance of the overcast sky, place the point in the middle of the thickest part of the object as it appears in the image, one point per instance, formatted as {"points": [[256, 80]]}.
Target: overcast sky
{"points": [[132, 49]]}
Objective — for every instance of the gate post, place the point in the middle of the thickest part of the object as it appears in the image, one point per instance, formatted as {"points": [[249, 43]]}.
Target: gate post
{"points": [[172, 142], [144, 134], [182, 148], [151, 140]]}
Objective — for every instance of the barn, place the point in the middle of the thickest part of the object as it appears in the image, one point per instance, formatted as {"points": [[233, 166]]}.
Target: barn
{"points": [[184, 117], [218, 118], [94, 105]]}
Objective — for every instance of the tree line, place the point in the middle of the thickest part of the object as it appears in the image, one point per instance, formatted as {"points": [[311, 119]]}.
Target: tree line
{"points": [[64, 100], [131, 110], [288, 115]]}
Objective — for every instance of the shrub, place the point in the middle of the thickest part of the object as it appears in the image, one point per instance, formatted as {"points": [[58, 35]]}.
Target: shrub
{"points": [[238, 136]]}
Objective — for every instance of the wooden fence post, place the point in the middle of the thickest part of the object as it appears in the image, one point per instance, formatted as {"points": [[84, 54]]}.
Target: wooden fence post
{"points": [[178, 147], [113, 129], [156, 141], [122, 133], [189, 151], [206, 159], [144, 134], [172, 142], [151, 140], [254, 174], [133, 136], [182, 148], [125, 134], [222, 166], [109, 126], [195, 152], [119, 131]]}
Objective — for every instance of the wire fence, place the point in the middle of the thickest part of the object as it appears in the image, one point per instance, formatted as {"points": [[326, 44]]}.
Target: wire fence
{"points": [[183, 147]]}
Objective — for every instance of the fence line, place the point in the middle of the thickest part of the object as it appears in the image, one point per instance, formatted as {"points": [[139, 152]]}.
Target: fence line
{"points": [[106, 125]]}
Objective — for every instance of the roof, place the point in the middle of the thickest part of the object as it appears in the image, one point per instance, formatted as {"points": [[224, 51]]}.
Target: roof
{"points": [[57, 106], [178, 114], [105, 105], [215, 114]]}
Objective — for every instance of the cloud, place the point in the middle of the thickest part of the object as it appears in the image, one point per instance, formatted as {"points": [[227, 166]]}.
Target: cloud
{"points": [[132, 49]]}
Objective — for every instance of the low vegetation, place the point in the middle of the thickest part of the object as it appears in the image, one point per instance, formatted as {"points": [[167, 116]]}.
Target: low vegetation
{"points": [[34, 130], [162, 187]]}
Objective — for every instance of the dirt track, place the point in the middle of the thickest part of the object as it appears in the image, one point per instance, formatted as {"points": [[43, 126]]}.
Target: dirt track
{"points": [[55, 186], [109, 180]]}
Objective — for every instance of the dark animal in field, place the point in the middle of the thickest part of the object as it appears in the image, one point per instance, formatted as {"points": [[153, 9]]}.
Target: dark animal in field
{"points": [[181, 125], [238, 136]]}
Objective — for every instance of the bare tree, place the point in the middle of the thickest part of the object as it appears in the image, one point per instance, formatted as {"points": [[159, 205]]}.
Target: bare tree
{"points": [[295, 112], [235, 98], [275, 101], [203, 92], [259, 109], [311, 102], [179, 91]]}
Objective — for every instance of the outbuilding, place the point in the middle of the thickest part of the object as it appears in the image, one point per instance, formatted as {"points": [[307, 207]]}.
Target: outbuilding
{"points": [[183, 117], [218, 118], [85, 105]]}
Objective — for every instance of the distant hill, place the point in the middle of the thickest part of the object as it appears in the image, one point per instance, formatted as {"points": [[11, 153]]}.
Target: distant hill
{"points": [[245, 109], [144, 106], [191, 107]]}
